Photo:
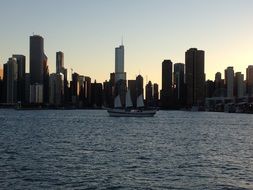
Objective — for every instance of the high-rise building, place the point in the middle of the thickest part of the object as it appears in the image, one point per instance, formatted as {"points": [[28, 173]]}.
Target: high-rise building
{"points": [[37, 58], [119, 64], [120, 75], [11, 72], [21, 61], [96, 94], [87, 91], [149, 94], [60, 62], [27, 88], [156, 94], [166, 92], [249, 80], [210, 88], [195, 76], [38, 67], [239, 85], [179, 86], [229, 81], [139, 85], [56, 89]]}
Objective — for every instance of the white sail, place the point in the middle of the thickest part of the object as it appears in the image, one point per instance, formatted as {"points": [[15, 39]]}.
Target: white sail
{"points": [[129, 102], [140, 102], [117, 102]]}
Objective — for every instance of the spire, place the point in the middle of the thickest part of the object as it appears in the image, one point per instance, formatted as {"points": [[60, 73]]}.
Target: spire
{"points": [[122, 40]]}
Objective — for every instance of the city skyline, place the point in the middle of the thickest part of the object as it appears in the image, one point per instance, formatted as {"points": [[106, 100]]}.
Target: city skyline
{"points": [[152, 32]]}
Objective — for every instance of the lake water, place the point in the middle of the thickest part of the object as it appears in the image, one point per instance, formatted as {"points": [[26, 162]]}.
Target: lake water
{"points": [[86, 149]]}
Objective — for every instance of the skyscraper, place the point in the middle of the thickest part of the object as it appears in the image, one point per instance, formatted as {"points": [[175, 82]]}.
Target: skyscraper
{"points": [[21, 61], [179, 86], [38, 70], [11, 72], [149, 94], [156, 94], [37, 58], [139, 85], [249, 80], [120, 75], [229, 81], [119, 64], [239, 85], [166, 92], [195, 76], [60, 62]]}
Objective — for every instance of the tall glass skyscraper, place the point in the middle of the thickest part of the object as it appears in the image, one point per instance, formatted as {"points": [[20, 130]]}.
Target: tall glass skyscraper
{"points": [[119, 64]]}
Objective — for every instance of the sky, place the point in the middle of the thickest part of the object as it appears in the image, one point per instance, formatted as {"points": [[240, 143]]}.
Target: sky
{"points": [[87, 31]]}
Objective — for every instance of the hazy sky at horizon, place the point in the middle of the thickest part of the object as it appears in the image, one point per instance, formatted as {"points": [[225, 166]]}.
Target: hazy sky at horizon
{"points": [[153, 30]]}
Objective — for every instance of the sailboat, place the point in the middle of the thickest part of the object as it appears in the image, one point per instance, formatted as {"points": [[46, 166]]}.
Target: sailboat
{"points": [[129, 111]]}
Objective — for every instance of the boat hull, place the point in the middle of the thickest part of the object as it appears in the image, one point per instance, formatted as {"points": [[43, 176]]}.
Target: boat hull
{"points": [[131, 113]]}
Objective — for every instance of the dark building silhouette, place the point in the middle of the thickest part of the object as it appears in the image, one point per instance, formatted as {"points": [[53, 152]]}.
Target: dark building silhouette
{"points": [[87, 91], [96, 95], [21, 62], [229, 81], [249, 80], [149, 94], [27, 88], [195, 76], [166, 92], [210, 88], [45, 81], [74, 85], [37, 58], [239, 86], [11, 77], [60, 62], [156, 95], [179, 84], [139, 85], [133, 91]]}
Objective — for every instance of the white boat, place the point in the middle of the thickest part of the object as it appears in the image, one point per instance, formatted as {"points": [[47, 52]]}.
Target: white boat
{"points": [[129, 111]]}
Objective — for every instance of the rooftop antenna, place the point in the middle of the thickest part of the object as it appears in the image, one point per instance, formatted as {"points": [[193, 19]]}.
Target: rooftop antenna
{"points": [[122, 40]]}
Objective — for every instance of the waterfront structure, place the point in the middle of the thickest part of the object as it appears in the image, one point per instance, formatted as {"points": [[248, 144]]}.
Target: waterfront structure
{"points": [[56, 89], [36, 93], [195, 76], [166, 91], [96, 94], [229, 81], [120, 75], [11, 79], [149, 94], [74, 89], [27, 88], [87, 91], [179, 84], [59, 62], [239, 85], [119, 64], [139, 85], [249, 80], [38, 66], [156, 94], [210, 88], [37, 58], [21, 62]]}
